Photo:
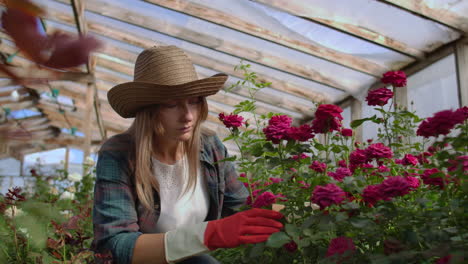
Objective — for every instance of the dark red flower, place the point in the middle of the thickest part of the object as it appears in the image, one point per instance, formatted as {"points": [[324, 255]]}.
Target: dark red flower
{"points": [[346, 132], [327, 118], [318, 166], [396, 78], [441, 123], [430, 177], [231, 120], [277, 129], [379, 96], [291, 246], [422, 157], [341, 246], [327, 195], [342, 163], [340, 173], [378, 151], [304, 185], [383, 168], [302, 133], [463, 111], [444, 260], [394, 186]]}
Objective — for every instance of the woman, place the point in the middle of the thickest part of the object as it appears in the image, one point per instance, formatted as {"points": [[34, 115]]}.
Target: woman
{"points": [[161, 194]]}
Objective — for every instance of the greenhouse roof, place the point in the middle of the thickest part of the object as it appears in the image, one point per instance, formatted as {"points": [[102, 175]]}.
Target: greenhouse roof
{"points": [[311, 51]]}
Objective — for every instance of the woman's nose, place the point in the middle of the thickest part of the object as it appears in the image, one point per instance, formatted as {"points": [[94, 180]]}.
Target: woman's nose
{"points": [[187, 112]]}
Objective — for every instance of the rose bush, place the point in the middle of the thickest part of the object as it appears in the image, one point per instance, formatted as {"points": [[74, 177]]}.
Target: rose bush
{"points": [[397, 198], [50, 224]]}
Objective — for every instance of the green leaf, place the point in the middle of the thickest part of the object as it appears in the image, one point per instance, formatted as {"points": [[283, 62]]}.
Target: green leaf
{"points": [[73, 130], [243, 179], [361, 222], [277, 240], [292, 230], [359, 122], [7, 110], [257, 250]]}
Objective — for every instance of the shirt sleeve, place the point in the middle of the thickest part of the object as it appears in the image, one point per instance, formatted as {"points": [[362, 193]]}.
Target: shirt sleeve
{"points": [[115, 219], [235, 193]]}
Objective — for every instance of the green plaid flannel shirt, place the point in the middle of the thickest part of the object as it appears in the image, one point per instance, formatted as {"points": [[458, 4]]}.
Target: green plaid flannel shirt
{"points": [[119, 218]]}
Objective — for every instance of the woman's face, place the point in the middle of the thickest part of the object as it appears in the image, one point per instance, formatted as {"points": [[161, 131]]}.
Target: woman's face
{"points": [[178, 118]]}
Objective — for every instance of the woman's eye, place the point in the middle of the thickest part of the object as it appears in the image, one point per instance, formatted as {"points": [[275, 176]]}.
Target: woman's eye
{"points": [[195, 102], [170, 105]]}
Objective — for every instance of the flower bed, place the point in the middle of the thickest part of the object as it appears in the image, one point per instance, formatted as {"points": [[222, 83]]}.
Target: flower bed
{"points": [[399, 199]]}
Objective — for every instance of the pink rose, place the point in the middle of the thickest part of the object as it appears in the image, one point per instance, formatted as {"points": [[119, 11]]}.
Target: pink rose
{"points": [[277, 129], [340, 173], [340, 246], [318, 166], [379, 96], [394, 186], [371, 194], [410, 160], [327, 118], [327, 195], [378, 151], [347, 132], [429, 178], [231, 120], [302, 133], [440, 124], [396, 78]]}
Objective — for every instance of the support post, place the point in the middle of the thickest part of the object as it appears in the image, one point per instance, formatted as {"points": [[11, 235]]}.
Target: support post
{"points": [[461, 60], [356, 113]]}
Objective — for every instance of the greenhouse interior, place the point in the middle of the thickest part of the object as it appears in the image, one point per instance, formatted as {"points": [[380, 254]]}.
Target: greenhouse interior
{"points": [[336, 131]]}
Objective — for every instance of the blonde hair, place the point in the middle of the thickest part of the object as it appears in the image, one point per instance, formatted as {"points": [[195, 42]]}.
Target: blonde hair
{"points": [[143, 131]]}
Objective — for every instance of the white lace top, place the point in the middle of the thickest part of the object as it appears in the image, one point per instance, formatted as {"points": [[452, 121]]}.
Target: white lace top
{"points": [[177, 210]]}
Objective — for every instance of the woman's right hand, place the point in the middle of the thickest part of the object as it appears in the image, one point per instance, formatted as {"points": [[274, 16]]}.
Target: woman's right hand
{"points": [[247, 227]]}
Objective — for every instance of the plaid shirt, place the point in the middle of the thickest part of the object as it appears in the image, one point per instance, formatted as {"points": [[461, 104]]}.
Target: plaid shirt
{"points": [[118, 216]]}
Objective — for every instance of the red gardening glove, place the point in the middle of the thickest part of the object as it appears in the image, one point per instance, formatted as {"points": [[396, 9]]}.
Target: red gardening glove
{"points": [[247, 227]]}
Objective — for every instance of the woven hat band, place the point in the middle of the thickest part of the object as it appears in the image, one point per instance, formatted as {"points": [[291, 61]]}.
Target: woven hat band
{"points": [[167, 65]]}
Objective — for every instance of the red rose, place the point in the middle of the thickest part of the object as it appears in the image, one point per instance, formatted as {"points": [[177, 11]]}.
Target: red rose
{"points": [[277, 129], [413, 182], [318, 166], [429, 178], [254, 195], [347, 132], [383, 168], [304, 185], [340, 173], [327, 195], [299, 157], [378, 151], [358, 156], [340, 246], [422, 157], [231, 120], [327, 118], [302, 133], [463, 111], [394, 186], [460, 162], [396, 78], [371, 194], [379, 96], [264, 199], [440, 124], [410, 160], [342, 163]]}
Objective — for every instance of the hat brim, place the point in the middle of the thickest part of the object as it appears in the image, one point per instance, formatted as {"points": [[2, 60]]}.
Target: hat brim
{"points": [[128, 98]]}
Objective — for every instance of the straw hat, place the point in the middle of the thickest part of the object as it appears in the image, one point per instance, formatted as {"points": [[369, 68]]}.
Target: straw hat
{"points": [[161, 73]]}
